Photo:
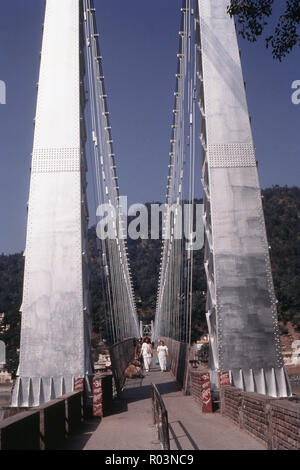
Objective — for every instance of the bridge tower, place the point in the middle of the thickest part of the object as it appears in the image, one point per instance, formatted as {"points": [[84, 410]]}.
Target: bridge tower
{"points": [[55, 331], [241, 303], [146, 329]]}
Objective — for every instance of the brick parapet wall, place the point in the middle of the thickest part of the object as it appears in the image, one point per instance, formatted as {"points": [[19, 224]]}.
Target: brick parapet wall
{"points": [[231, 399], [254, 415], [275, 421], [102, 394]]}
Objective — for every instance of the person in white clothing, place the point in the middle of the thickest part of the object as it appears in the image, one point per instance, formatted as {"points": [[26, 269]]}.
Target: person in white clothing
{"points": [[162, 354], [146, 352]]}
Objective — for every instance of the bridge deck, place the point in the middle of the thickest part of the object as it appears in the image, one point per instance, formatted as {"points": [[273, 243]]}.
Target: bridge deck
{"points": [[130, 426]]}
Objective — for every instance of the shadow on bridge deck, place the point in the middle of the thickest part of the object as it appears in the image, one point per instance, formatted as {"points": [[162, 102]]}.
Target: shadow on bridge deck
{"points": [[130, 424]]}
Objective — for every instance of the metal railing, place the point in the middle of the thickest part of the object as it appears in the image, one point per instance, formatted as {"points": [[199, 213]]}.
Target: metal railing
{"points": [[160, 418]]}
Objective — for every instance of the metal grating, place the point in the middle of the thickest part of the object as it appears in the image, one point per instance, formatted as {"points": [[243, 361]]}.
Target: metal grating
{"points": [[55, 160], [231, 155]]}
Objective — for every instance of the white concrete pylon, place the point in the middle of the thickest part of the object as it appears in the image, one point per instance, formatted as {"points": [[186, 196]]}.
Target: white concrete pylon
{"points": [[55, 322], [243, 329]]}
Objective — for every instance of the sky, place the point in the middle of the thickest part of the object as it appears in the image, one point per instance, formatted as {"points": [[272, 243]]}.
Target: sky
{"points": [[139, 42]]}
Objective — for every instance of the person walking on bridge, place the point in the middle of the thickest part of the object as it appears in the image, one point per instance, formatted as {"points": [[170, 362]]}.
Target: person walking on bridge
{"points": [[138, 348], [162, 354], [146, 352]]}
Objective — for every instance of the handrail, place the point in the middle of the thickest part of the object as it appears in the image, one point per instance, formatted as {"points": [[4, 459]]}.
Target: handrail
{"points": [[160, 418]]}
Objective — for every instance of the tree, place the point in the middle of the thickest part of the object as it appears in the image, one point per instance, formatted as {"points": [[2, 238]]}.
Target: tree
{"points": [[281, 209], [253, 16]]}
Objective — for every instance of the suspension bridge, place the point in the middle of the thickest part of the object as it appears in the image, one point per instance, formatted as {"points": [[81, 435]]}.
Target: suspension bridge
{"points": [[211, 130]]}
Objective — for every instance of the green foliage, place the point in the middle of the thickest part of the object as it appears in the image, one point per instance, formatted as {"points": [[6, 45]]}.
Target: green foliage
{"points": [[11, 281], [96, 285], [144, 258], [253, 16], [282, 212]]}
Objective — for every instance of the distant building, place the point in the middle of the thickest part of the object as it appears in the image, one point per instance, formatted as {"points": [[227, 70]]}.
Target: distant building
{"points": [[5, 377], [2, 323], [292, 356]]}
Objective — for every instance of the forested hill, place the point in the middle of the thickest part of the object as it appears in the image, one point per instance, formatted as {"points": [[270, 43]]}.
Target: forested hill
{"points": [[282, 212], [282, 215]]}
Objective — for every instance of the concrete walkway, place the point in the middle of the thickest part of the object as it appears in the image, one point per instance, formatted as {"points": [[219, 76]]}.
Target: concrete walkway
{"points": [[130, 426]]}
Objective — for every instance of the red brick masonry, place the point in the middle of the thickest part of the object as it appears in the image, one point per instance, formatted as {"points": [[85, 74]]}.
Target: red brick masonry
{"points": [[102, 394], [199, 383], [276, 421], [195, 386], [206, 398]]}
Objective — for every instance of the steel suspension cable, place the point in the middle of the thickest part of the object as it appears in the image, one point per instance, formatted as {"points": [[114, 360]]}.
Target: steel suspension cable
{"points": [[174, 299], [121, 308]]}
